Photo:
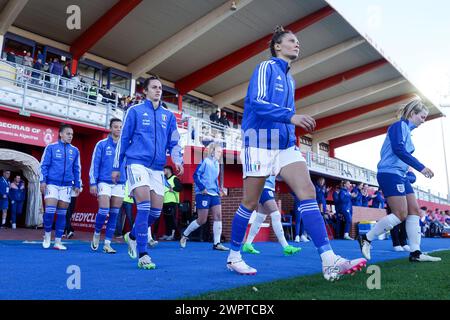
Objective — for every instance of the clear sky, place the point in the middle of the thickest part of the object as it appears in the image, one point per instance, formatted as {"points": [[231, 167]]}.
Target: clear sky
{"points": [[416, 35]]}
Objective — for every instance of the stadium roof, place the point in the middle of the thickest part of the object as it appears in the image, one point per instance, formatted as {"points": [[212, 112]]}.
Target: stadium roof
{"points": [[212, 46]]}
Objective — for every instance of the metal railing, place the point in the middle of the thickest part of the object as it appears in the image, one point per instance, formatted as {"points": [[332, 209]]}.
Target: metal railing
{"points": [[198, 132], [337, 168], [33, 90]]}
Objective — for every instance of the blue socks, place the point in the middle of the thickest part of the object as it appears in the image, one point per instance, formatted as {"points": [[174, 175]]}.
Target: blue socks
{"points": [[153, 216], [112, 221], [100, 219], [314, 224], [60, 222], [140, 229], [298, 221], [48, 217], [239, 226]]}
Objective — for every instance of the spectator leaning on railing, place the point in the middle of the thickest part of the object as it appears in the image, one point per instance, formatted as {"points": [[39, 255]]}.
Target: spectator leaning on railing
{"points": [[28, 60], [56, 70], [36, 75]]}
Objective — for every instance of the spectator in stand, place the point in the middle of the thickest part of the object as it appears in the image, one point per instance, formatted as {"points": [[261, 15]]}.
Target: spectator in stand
{"points": [[424, 221], [65, 79], [28, 60], [436, 227], [36, 75], [56, 70], [40, 55], [357, 196], [102, 91], [112, 97], [224, 120], [447, 217], [365, 195], [11, 56], [215, 116], [378, 200], [439, 216], [4, 196], [17, 196], [93, 91], [76, 82], [322, 194]]}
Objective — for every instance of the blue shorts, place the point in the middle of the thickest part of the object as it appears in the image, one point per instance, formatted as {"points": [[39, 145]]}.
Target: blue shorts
{"points": [[394, 185], [4, 204], [266, 195], [206, 201]]}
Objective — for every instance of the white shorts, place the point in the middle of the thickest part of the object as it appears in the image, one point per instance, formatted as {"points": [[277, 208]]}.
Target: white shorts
{"points": [[139, 176], [258, 162], [111, 190], [58, 193]]}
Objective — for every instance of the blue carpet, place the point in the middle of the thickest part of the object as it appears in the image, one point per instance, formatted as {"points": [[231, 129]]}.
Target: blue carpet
{"points": [[27, 271]]}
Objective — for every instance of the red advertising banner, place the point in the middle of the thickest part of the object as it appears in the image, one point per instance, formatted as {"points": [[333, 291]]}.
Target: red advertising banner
{"points": [[27, 132]]}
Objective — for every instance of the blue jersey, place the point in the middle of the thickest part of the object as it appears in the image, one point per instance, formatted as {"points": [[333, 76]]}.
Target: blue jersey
{"points": [[206, 176], [365, 201], [4, 188], [270, 183], [17, 193], [60, 165], [378, 201], [397, 149], [321, 193], [147, 135], [102, 162], [358, 200], [345, 199], [269, 105], [337, 202]]}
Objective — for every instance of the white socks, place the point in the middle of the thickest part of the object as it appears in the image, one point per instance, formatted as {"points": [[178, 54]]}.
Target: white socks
{"points": [[192, 227], [278, 228], [384, 225], [413, 232], [217, 231], [256, 225], [234, 255], [107, 242], [328, 258]]}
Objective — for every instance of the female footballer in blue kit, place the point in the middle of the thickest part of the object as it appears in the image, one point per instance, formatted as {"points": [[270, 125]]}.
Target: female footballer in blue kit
{"points": [[207, 196], [60, 174], [149, 130], [396, 158], [269, 149], [268, 206], [109, 195]]}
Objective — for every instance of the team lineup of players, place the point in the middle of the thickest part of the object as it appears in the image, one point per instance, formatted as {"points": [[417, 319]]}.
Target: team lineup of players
{"points": [[135, 152]]}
